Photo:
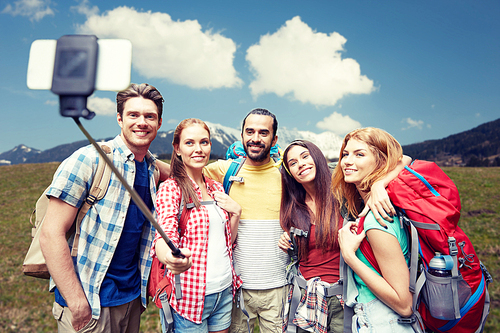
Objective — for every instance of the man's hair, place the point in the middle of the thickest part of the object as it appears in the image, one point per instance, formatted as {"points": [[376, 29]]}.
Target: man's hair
{"points": [[143, 90], [262, 112]]}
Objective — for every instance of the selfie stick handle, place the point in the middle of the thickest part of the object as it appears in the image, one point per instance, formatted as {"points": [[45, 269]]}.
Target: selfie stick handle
{"points": [[135, 196]]}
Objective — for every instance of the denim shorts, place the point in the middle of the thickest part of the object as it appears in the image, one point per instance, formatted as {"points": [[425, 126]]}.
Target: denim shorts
{"points": [[216, 315], [376, 317]]}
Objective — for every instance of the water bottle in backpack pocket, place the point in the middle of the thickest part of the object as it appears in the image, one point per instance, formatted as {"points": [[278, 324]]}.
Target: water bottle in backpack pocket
{"points": [[438, 291]]}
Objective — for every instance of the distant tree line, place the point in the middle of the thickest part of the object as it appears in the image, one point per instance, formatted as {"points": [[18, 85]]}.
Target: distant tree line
{"points": [[475, 161], [475, 147]]}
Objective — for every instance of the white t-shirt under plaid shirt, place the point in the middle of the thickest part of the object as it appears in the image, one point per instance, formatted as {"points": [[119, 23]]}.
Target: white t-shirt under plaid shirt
{"points": [[195, 238], [102, 226]]}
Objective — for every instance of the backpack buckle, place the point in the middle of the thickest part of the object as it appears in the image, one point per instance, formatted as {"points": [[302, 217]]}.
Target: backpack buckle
{"points": [[298, 232], [91, 199], [236, 179], [409, 320], [452, 243]]}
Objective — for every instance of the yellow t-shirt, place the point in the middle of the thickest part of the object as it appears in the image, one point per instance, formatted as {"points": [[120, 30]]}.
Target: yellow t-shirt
{"points": [[257, 256], [259, 195]]}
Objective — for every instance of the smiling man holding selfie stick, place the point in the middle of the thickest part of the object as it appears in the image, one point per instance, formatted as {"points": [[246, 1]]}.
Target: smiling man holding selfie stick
{"points": [[102, 286]]}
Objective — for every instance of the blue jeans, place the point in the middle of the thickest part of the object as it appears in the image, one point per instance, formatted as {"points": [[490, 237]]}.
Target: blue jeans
{"points": [[375, 316], [216, 315]]}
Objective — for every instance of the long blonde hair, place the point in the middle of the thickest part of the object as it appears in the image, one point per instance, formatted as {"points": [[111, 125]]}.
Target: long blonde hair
{"points": [[387, 151]]}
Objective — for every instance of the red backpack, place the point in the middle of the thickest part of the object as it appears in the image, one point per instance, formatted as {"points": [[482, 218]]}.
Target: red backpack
{"points": [[158, 282], [429, 206]]}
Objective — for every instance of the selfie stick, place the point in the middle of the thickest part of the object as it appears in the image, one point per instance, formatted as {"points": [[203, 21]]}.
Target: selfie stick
{"points": [[135, 196], [74, 80]]}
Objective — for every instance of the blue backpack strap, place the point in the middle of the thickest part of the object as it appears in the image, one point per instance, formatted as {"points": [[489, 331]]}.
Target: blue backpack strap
{"points": [[231, 173]]}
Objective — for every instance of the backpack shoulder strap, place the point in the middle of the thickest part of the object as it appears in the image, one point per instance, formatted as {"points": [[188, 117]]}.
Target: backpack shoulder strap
{"points": [[365, 247], [156, 175], [182, 216], [97, 191], [231, 173], [367, 251], [210, 183], [343, 271]]}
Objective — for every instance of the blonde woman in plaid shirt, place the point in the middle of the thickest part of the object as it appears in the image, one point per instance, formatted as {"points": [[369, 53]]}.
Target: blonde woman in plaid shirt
{"points": [[208, 278]]}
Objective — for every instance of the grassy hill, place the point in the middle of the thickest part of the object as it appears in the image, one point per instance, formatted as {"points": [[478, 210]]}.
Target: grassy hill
{"points": [[25, 303]]}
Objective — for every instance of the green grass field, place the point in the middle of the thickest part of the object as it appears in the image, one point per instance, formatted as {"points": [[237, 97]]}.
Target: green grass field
{"points": [[25, 303]]}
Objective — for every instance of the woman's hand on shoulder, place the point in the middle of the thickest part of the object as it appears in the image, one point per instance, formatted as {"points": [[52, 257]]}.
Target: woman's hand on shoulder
{"points": [[349, 240], [380, 204], [285, 242], [227, 203]]}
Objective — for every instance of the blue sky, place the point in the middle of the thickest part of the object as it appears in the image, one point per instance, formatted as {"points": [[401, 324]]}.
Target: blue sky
{"points": [[420, 70]]}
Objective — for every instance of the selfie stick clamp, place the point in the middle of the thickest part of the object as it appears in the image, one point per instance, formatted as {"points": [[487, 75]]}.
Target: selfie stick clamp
{"points": [[75, 68]]}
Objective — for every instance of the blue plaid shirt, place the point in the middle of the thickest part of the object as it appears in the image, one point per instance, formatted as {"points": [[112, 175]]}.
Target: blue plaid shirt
{"points": [[102, 226]]}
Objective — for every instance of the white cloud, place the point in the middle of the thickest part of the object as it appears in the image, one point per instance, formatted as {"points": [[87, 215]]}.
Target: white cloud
{"points": [[35, 10], [101, 106], [179, 51], [412, 123], [84, 8], [306, 65], [338, 124], [52, 102]]}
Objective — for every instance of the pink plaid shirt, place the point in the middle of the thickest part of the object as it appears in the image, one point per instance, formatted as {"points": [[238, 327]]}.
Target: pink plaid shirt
{"points": [[195, 238]]}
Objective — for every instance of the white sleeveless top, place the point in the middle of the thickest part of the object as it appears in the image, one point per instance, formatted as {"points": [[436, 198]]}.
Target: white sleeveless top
{"points": [[218, 262]]}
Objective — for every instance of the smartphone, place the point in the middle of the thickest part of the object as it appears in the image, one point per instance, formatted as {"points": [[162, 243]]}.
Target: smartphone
{"points": [[114, 64]]}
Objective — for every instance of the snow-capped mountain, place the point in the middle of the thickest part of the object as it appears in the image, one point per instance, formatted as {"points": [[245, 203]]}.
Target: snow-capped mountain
{"points": [[222, 137], [18, 155], [223, 134], [328, 142], [476, 147]]}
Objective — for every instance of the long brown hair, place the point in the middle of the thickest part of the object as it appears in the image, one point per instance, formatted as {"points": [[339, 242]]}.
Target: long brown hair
{"points": [[177, 165], [294, 211], [387, 151]]}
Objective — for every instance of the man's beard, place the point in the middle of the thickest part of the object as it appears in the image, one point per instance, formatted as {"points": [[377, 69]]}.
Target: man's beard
{"points": [[260, 156]]}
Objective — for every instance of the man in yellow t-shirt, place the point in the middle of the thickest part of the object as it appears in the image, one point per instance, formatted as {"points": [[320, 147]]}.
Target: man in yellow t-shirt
{"points": [[257, 257]]}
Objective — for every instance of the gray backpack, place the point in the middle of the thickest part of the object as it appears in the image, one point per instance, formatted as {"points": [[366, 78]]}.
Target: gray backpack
{"points": [[34, 262]]}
